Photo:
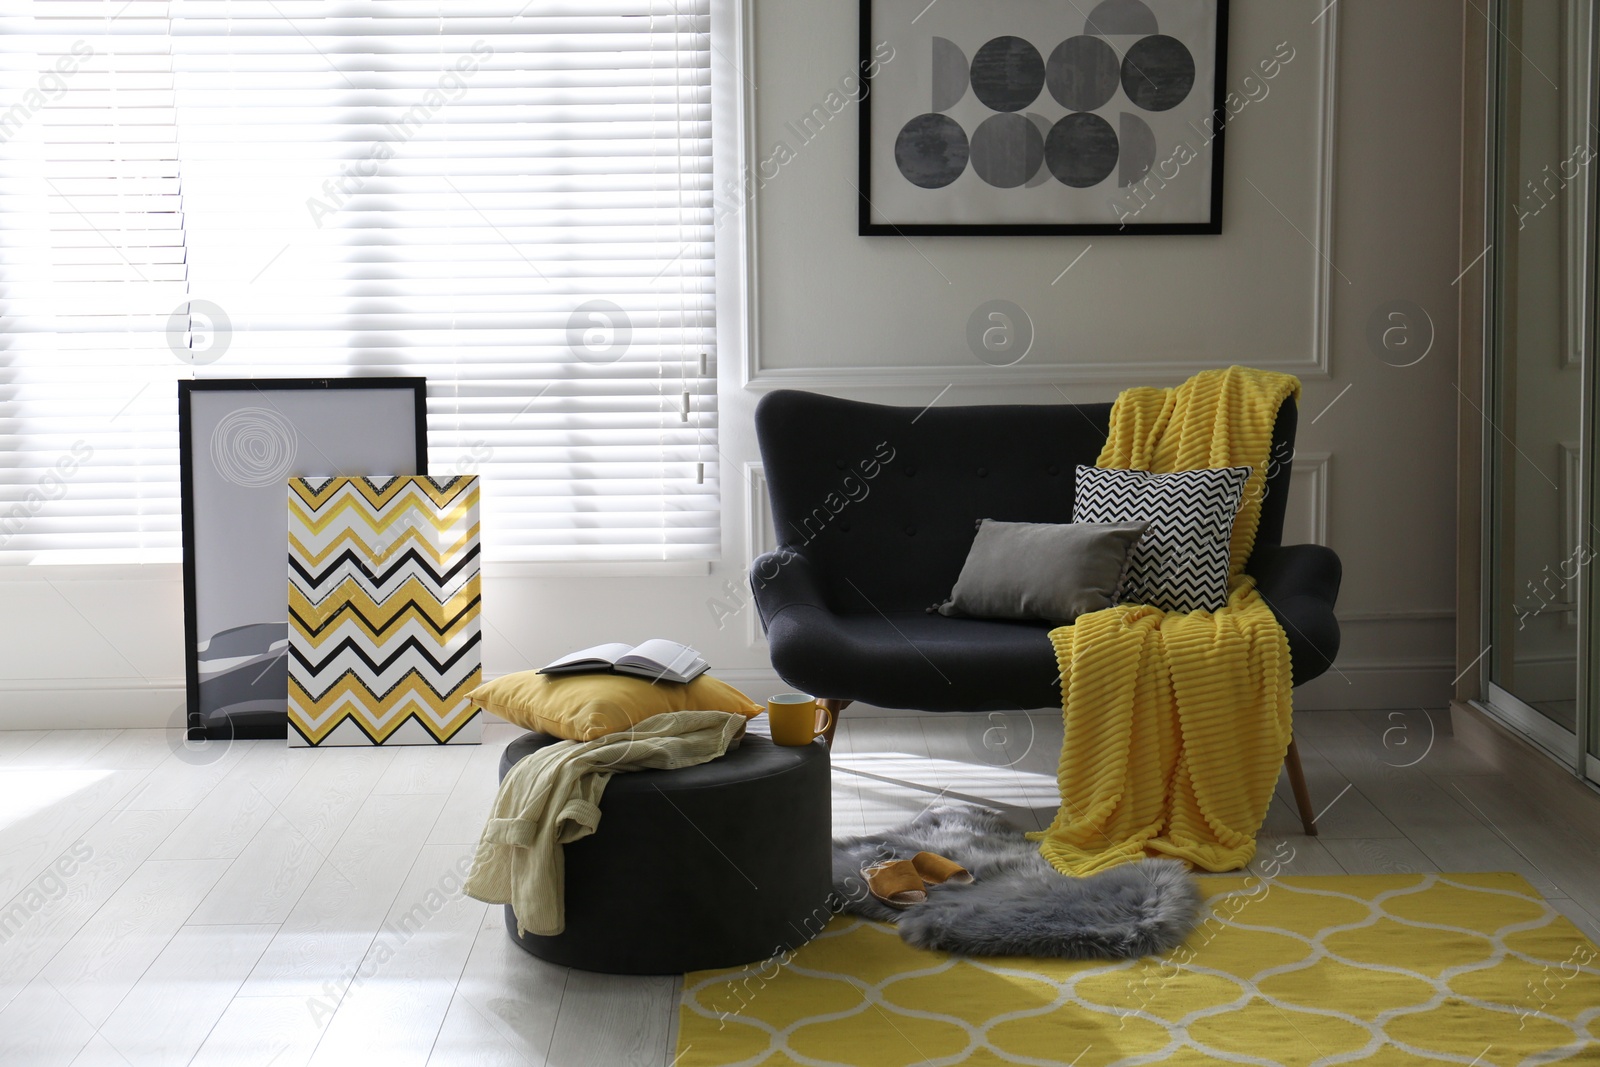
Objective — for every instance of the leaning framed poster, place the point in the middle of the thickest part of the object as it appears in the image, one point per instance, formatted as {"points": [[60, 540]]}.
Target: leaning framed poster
{"points": [[385, 641], [239, 443], [1017, 118]]}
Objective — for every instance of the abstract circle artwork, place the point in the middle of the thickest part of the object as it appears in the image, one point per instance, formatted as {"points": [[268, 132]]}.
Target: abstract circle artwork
{"points": [[1122, 17], [254, 447], [1157, 73], [1083, 73], [931, 151], [1007, 74], [951, 75], [1082, 150], [1007, 150], [1015, 116]]}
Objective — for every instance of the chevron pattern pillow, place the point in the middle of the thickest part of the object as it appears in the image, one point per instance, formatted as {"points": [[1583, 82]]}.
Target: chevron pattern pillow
{"points": [[1181, 563]]}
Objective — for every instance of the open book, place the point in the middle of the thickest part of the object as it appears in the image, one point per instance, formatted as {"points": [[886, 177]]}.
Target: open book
{"points": [[657, 659]]}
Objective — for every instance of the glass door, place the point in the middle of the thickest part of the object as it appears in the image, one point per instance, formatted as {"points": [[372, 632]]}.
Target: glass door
{"points": [[1537, 522]]}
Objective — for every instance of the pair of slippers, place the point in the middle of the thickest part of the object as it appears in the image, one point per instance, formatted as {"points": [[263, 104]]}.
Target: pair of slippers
{"points": [[902, 883]]}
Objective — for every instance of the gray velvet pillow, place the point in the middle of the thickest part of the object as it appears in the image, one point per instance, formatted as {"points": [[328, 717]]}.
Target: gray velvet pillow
{"points": [[1042, 572]]}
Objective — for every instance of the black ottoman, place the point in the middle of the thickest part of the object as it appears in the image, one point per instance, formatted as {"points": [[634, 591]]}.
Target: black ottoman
{"points": [[702, 867]]}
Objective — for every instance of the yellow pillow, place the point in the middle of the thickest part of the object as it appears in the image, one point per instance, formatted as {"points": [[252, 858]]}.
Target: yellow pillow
{"points": [[582, 707]]}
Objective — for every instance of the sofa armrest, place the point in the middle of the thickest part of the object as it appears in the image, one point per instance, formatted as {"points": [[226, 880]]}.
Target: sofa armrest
{"points": [[1300, 583], [803, 636], [784, 579]]}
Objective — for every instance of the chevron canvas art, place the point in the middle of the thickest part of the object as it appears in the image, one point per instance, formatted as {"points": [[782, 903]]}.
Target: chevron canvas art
{"points": [[384, 635], [1181, 562]]}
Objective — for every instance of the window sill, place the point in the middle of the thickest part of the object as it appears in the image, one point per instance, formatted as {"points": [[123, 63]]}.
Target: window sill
{"points": [[161, 572]]}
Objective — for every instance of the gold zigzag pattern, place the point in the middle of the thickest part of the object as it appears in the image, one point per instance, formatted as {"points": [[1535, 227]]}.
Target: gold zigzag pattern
{"points": [[382, 520], [350, 603], [376, 713], [381, 499], [377, 553], [378, 523]]}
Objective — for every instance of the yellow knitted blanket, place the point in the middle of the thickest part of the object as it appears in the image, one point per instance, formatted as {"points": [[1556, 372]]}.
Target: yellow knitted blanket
{"points": [[1176, 724]]}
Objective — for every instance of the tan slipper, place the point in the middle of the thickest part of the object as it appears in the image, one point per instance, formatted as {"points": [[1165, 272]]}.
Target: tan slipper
{"points": [[896, 883], [937, 870]]}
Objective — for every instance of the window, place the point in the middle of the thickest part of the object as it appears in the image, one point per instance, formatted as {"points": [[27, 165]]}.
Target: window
{"points": [[512, 199]]}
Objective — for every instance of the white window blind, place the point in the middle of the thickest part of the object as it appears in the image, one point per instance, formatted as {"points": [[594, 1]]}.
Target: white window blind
{"points": [[511, 199]]}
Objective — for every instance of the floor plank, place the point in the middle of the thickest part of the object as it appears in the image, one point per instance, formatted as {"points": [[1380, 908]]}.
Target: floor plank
{"points": [[220, 825], [37, 923], [620, 1020], [461, 820], [263, 1032], [326, 935], [135, 750], [14, 742], [170, 1011], [392, 1010], [505, 1005], [1381, 855], [181, 781], [1339, 808], [1559, 849], [433, 769], [63, 748], [1296, 855], [44, 811], [107, 956], [41, 1028]]}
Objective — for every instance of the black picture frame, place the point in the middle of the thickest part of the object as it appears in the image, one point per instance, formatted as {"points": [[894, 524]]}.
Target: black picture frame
{"points": [[867, 227], [263, 725]]}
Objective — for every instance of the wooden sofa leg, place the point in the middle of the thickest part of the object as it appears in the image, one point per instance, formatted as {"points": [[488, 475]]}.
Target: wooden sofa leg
{"points": [[1302, 795], [835, 709]]}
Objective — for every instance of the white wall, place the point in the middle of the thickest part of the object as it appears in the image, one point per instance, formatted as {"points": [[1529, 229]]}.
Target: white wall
{"points": [[1341, 195]]}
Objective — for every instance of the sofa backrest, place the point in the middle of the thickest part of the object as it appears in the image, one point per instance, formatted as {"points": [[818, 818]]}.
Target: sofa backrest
{"points": [[884, 501]]}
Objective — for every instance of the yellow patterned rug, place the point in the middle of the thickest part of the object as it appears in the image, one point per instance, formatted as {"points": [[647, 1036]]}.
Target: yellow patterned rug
{"points": [[1474, 969]]}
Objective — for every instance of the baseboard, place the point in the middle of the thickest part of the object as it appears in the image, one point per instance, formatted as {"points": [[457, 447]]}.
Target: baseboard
{"points": [[92, 704], [1378, 686]]}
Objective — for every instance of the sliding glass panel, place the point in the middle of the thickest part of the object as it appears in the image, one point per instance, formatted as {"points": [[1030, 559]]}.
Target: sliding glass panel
{"points": [[1539, 546]]}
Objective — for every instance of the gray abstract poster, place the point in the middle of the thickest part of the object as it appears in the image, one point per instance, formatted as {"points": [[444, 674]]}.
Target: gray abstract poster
{"points": [[1020, 114], [243, 442]]}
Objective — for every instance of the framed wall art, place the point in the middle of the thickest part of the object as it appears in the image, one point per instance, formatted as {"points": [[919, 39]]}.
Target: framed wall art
{"points": [[1018, 118], [385, 641], [239, 443]]}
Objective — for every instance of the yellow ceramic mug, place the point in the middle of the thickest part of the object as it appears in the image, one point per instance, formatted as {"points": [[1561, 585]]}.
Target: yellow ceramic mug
{"points": [[793, 718]]}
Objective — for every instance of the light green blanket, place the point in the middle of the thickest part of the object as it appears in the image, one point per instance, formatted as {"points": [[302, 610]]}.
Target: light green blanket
{"points": [[553, 797]]}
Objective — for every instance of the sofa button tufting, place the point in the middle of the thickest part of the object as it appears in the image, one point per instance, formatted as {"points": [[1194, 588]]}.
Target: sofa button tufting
{"points": [[844, 527], [911, 531], [840, 464], [1054, 470], [983, 472], [910, 471]]}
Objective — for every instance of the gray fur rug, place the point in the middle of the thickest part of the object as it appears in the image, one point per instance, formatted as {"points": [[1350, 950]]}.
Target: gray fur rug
{"points": [[1018, 905]]}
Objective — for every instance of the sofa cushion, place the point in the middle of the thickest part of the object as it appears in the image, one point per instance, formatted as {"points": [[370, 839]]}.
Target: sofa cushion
{"points": [[1181, 563], [1042, 572], [916, 660]]}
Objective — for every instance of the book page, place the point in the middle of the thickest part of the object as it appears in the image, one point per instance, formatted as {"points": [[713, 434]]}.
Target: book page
{"points": [[606, 654], [667, 655]]}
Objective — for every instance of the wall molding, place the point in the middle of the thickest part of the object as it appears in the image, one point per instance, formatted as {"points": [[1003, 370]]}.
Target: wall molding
{"points": [[1317, 367], [93, 703], [1407, 615], [759, 537], [1311, 469]]}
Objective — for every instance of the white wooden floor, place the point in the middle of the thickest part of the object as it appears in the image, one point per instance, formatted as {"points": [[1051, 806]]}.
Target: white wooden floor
{"points": [[243, 904]]}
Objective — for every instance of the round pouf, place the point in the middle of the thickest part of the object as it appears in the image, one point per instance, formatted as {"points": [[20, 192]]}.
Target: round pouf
{"points": [[711, 866]]}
